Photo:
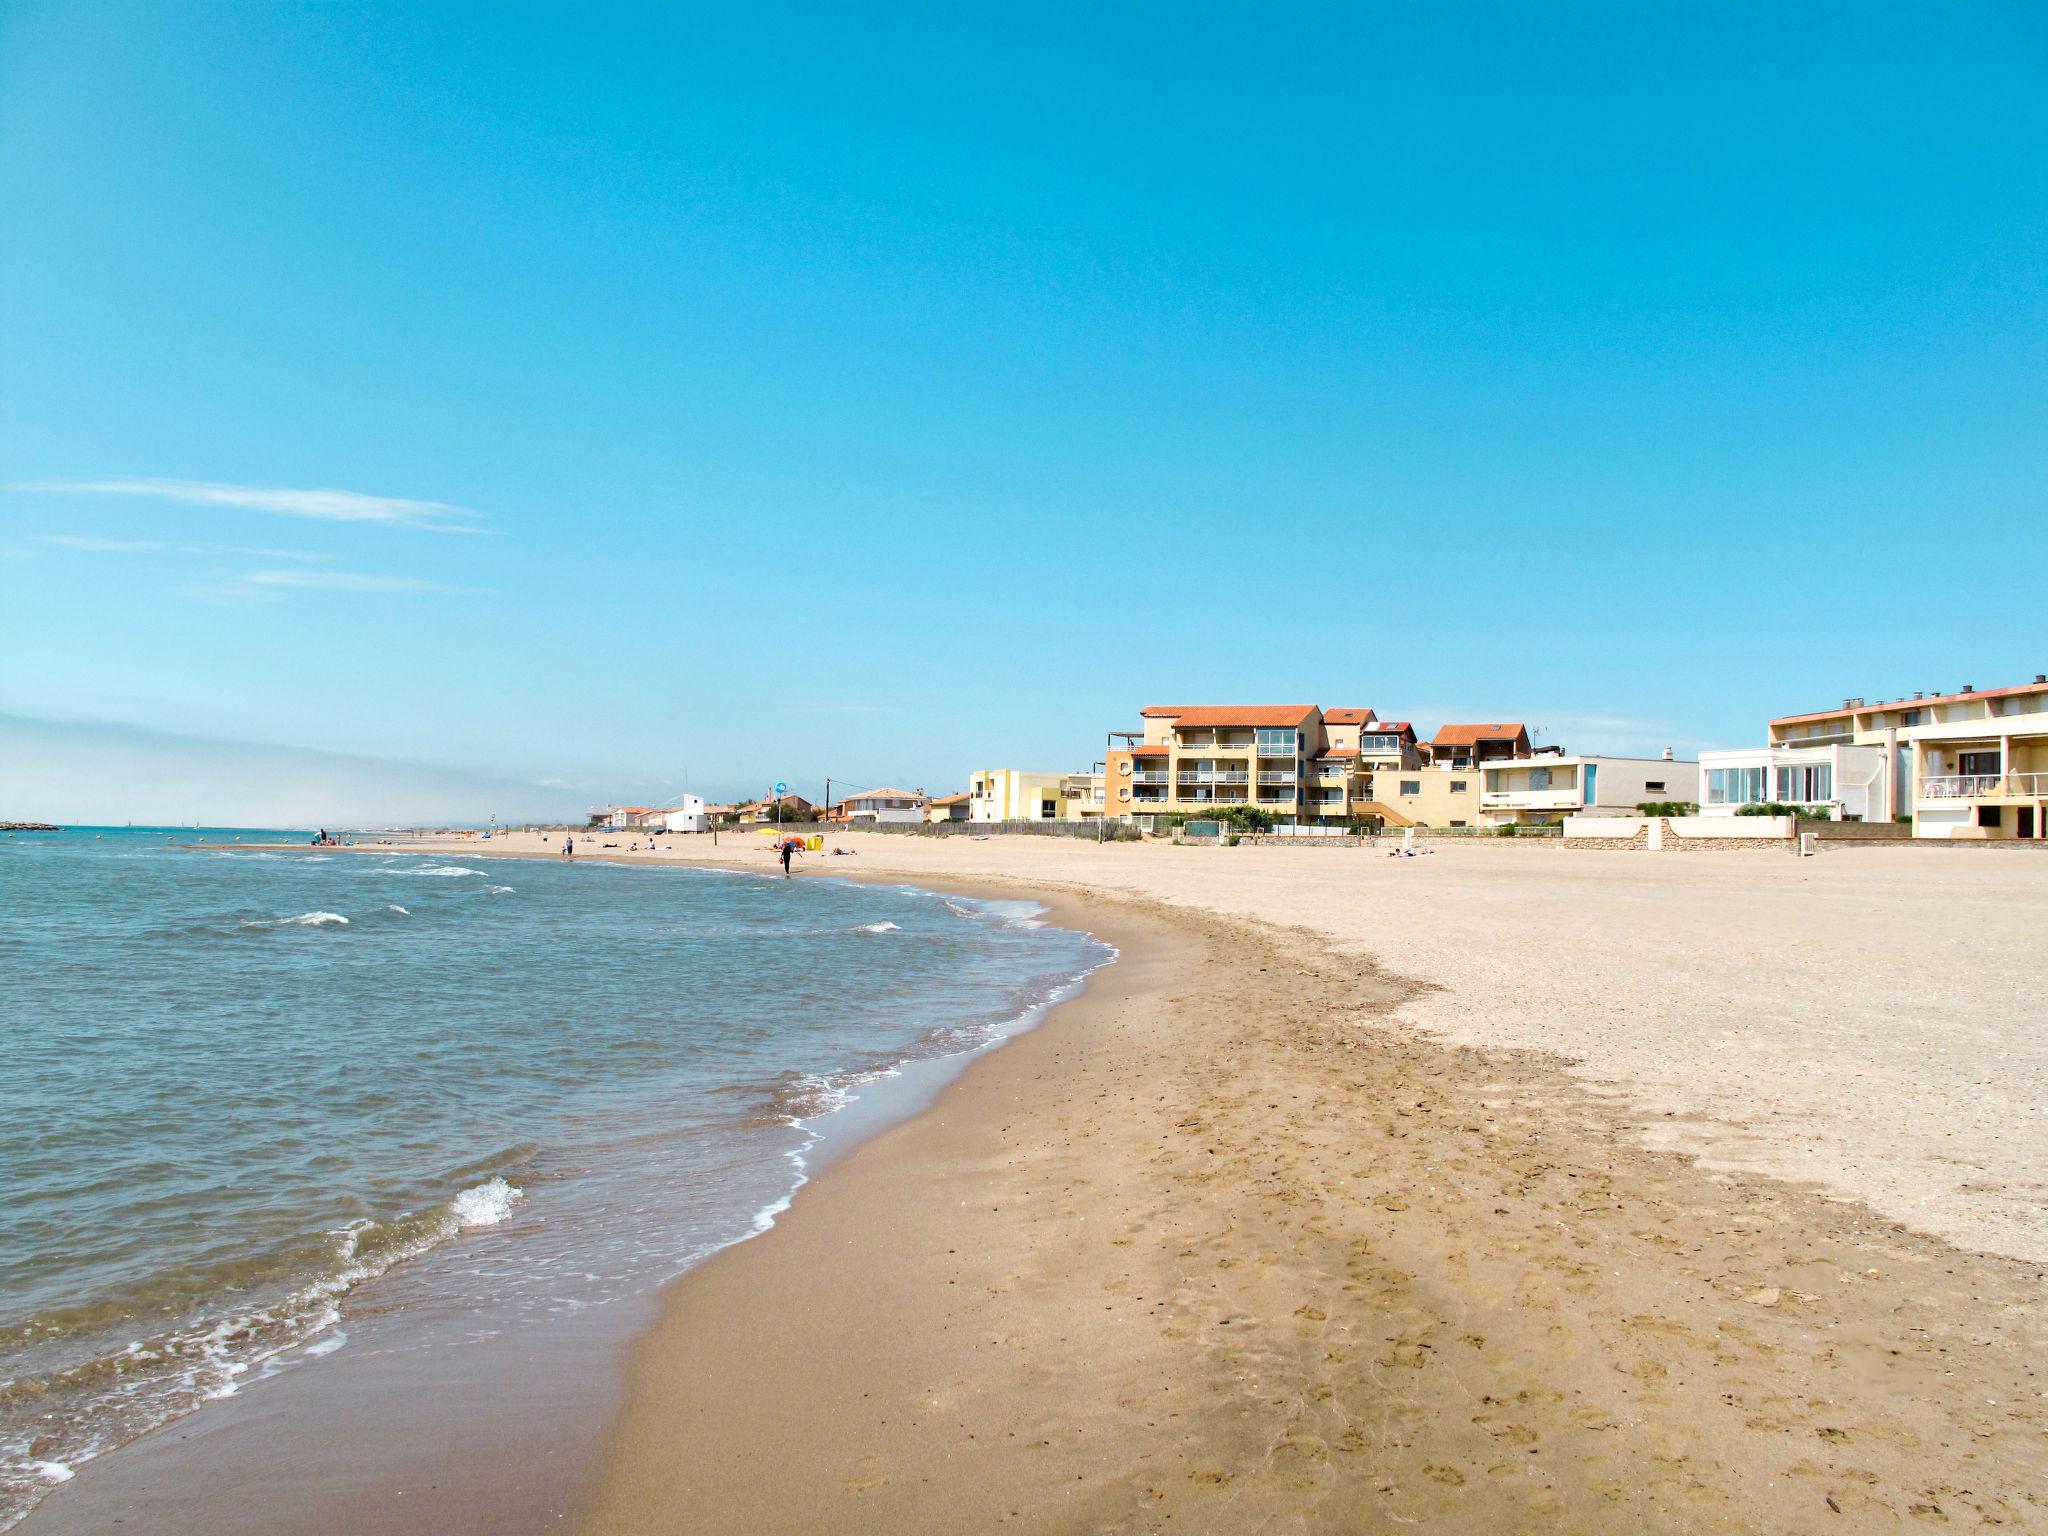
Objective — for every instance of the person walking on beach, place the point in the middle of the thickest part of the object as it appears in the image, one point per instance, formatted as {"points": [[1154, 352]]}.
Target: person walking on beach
{"points": [[569, 846], [788, 849]]}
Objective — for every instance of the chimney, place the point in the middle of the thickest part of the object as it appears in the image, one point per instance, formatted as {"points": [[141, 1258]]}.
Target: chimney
{"points": [[1969, 687], [2041, 677], [1918, 694], [1667, 754]]}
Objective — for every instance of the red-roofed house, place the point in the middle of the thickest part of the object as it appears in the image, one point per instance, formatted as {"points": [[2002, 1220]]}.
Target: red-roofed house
{"points": [[1469, 745]]}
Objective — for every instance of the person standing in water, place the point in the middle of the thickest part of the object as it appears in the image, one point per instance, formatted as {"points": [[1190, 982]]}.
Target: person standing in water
{"points": [[569, 846]]}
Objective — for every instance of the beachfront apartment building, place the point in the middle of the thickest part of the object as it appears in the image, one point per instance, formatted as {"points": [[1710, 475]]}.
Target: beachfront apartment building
{"points": [[1302, 764], [1969, 764], [1546, 786]]}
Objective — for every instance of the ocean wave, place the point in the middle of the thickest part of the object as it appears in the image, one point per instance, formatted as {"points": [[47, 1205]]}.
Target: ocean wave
{"points": [[499, 890], [803, 1096], [879, 928], [314, 920], [443, 869], [395, 907], [488, 1203], [85, 1409]]}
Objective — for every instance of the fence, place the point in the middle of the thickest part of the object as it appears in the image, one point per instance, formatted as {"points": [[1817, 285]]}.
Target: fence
{"points": [[1117, 832]]}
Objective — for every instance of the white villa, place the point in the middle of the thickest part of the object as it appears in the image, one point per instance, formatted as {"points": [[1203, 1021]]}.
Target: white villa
{"points": [[1549, 786], [1846, 783], [877, 806]]}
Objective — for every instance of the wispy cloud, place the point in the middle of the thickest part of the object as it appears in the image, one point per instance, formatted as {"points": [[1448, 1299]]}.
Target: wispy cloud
{"points": [[324, 505], [340, 581], [104, 546]]}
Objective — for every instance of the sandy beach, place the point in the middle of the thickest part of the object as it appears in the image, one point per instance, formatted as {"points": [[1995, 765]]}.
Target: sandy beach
{"points": [[1505, 1188]]}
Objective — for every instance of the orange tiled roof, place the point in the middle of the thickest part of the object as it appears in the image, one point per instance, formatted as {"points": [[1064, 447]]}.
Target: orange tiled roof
{"points": [[1158, 751], [1340, 752], [1347, 716], [1235, 714], [1466, 735], [1392, 728]]}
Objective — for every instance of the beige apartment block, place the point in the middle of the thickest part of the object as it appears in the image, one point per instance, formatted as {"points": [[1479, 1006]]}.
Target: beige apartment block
{"points": [[1970, 764], [1426, 796], [1305, 765]]}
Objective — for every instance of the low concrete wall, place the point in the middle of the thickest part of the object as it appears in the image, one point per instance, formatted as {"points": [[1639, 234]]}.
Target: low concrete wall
{"points": [[1617, 833], [1732, 828], [1860, 831], [1605, 827]]}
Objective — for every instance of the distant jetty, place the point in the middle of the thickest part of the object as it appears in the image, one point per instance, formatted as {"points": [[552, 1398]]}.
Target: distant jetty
{"points": [[27, 826]]}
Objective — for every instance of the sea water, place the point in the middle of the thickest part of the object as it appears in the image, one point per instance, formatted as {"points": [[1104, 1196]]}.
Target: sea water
{"points": [[242, 1092]]}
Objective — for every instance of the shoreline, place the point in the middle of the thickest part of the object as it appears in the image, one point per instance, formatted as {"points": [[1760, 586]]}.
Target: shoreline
{"points": [[242, 1464], [1257, 1251]]}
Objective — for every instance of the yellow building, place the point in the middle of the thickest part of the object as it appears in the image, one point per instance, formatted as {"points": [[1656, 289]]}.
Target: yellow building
{"points": [[1968, 764], [1014, 794], [1429, 796]]}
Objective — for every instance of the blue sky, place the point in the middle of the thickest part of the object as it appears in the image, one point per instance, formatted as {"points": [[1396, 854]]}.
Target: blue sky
{"points": [[774, 392]]}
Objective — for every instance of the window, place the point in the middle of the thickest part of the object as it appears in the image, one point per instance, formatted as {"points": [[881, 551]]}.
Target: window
{"points": [[1048, 809], [1457, 788], [1457, 823], [1978, 765], [1279, 743], [1656, 786], [1411, 786], [1735, 786], [1539, 778], [1988, 815], [1807, 783]]}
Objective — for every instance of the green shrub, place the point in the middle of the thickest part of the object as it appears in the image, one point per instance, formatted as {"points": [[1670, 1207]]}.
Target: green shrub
{"points": [[1505, 829], [1776, 808], [1667, 808]]}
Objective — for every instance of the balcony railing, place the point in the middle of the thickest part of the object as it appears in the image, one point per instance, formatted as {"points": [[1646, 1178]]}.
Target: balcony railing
{"points": [[1275, 776], [1219, 776], [1562, 797], [1150, 776], [1983, 786]]}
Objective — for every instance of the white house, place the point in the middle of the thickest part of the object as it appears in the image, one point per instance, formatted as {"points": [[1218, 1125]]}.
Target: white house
{"points": [[1548, 786], [686, 815], [1845, 782], [878, 806]]}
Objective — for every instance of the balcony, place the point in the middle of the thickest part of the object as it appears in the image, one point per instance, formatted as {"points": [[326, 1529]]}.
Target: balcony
{"points": [[1983, 786], [1564, 799], [1150, 776], [1276, 776], [1203, 743], [1224, 777]]}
